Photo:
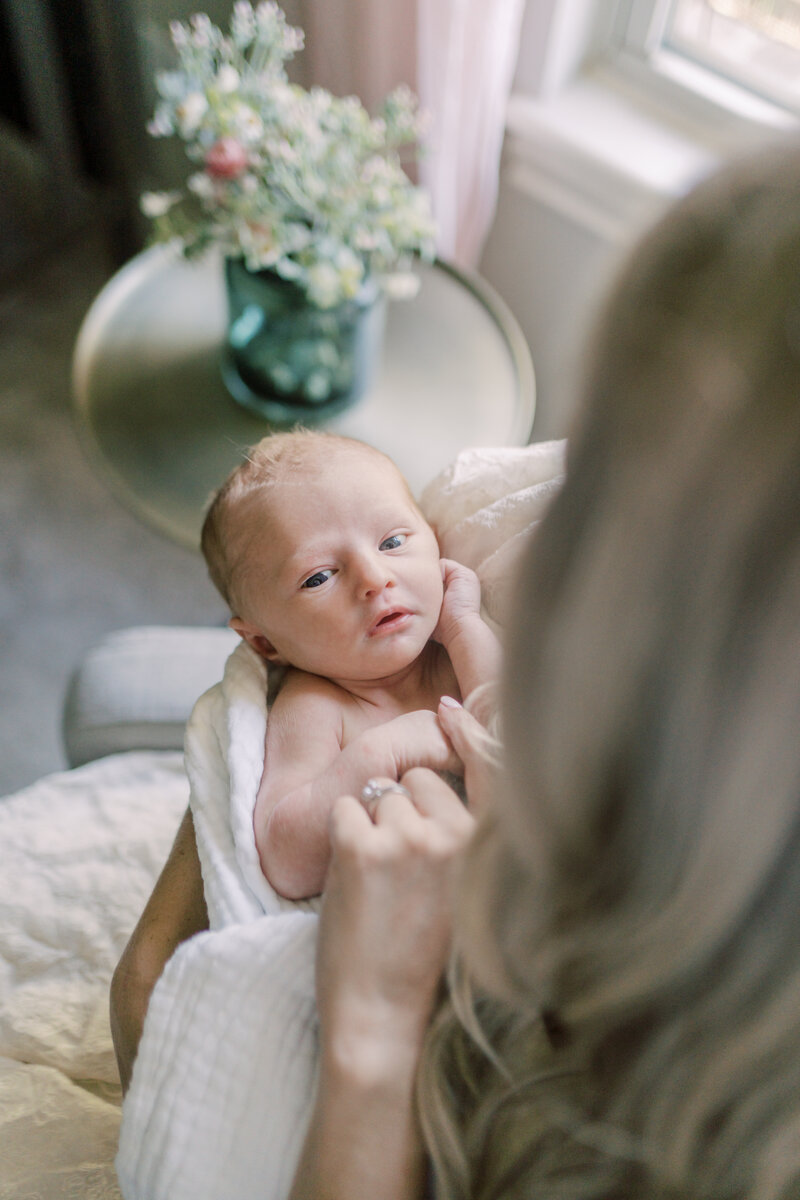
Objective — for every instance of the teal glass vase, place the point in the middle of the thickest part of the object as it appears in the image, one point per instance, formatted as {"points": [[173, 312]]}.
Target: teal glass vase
{"points": [[291, 361]]}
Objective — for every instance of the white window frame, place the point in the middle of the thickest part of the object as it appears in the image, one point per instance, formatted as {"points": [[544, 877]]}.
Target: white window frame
{"points": [[635, 40], [614, 126], [562, 39]]}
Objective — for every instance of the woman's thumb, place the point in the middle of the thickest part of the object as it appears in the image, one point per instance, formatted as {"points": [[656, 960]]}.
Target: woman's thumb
{"points": [[459, 725], [468, 738]]}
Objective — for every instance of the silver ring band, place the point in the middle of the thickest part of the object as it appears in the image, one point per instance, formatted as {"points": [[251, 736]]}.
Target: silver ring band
{"points": [[372, 790]]}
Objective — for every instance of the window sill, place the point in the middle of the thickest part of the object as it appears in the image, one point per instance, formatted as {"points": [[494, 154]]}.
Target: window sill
{"points": [[614, 147]]}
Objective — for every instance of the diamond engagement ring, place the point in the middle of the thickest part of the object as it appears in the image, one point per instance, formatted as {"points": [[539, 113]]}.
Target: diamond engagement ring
{"points": [[372, 790]]}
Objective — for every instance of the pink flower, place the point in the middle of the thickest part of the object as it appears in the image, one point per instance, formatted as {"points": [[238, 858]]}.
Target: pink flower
{"points": [[226, 159]]}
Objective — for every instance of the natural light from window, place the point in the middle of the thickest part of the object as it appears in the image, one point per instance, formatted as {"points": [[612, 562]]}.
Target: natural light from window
{"points": [[755, 43]]}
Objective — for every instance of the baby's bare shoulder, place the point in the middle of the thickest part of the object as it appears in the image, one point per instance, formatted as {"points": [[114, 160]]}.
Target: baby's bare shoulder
{"points": [[300, 689], [308, 700]]}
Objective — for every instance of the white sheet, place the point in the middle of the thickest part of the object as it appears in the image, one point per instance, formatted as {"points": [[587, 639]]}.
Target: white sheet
{"points": [[224, 1080], [79, 853]]}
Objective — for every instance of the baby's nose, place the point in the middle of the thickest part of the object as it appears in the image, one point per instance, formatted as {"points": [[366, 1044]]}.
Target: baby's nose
{"points": [[375, 575]]}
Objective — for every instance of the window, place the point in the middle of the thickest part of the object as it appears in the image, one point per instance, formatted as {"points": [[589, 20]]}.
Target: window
{"points": [[751, 44], [619, 105]]}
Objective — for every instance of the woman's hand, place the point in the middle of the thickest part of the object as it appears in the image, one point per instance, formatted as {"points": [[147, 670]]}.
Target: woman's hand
{"points": [[386, 917], [475, 748], [384, 939]]}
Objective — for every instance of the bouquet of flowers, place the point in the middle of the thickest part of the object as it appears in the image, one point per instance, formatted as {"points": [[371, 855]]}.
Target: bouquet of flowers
{"points": [[301, 182]]}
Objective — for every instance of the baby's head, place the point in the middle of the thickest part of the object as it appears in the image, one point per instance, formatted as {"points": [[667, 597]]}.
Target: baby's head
{"points": [[324, 558]]}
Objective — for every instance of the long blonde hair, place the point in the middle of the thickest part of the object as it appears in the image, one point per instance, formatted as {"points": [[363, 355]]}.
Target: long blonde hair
{"points": [[632, 920]]}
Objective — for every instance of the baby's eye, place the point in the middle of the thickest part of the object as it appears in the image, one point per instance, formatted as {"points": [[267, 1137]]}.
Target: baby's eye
{"points": [[317, 579], [393, 542]]}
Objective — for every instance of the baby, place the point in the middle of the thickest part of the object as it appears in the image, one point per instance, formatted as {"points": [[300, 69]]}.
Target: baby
{"points": [[331, 570]]}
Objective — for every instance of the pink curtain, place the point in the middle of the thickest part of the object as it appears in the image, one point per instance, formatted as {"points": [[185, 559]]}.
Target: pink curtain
{"points": [[360, 47], [459, 57]]}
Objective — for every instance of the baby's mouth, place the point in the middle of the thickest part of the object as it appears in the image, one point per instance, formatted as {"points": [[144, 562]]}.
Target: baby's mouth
{"points": [[387, 622]]}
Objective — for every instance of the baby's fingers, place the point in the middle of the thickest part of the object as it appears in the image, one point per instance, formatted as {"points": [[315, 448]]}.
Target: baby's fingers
{"points": [[451, 567]]}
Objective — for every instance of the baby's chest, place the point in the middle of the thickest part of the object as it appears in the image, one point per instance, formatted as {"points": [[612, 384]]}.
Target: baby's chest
{"points": [[358, 718]]}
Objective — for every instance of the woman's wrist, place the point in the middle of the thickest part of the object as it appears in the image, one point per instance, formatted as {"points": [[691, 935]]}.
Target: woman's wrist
{"points": [[371, 1049], [364, 1137]]}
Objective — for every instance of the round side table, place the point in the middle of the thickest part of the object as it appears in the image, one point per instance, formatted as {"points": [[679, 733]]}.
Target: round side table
{"points": [[162, 429]]}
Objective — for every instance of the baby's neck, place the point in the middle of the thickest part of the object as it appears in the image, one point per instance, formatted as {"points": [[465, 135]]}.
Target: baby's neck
{"points": [[419, 685]]}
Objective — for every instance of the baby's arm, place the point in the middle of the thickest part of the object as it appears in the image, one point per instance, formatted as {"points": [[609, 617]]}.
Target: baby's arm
{"points": [[307, 770], [472, 647]]}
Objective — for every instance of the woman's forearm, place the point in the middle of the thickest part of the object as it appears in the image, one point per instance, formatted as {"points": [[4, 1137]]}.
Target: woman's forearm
{"points": [[383, 942], [363, 1139], [175, 911]]}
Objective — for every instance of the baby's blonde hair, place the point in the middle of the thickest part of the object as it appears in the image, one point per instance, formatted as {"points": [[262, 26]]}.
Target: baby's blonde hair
{"points": [[266, 463]]}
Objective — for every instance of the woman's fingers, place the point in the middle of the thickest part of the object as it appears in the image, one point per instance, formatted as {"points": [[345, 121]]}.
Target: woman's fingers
{"points": [[422, 796], [463, 730], [386, 914], [472, 744], [376, 792], [416, 823], [436, 801], [349, 819]]}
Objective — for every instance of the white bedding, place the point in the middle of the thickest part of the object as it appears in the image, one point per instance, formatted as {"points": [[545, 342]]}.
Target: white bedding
{"points": [[79, 853]]}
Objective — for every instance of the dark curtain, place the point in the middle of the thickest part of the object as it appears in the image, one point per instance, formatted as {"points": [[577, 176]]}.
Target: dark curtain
{"points": [[72, 117]]}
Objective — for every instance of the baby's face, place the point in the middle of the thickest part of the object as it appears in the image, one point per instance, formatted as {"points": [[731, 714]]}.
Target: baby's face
{"points": [[343, 576]]}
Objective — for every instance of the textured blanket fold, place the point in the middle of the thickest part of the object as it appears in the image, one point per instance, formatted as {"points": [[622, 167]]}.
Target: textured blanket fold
{"points": [[224, 1080]]}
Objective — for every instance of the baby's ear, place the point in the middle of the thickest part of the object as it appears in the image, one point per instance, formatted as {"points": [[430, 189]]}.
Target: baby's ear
{"points": [[255, 638]]}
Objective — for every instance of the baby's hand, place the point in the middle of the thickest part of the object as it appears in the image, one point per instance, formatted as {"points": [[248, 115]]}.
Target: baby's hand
{"points": [[462, 599], [417, 740]]}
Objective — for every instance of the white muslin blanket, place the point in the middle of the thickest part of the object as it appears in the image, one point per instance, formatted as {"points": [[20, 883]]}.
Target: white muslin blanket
{"points": [[224, 1080]]}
